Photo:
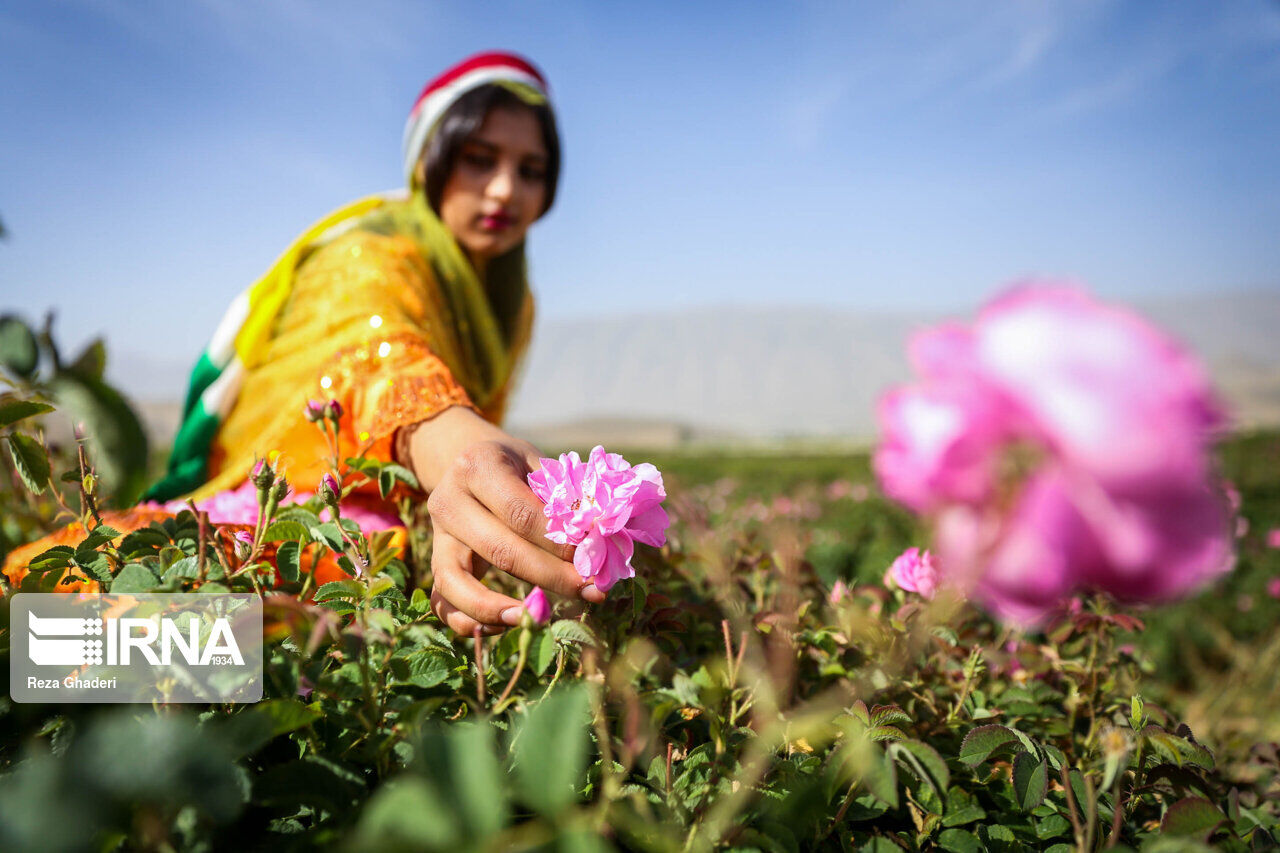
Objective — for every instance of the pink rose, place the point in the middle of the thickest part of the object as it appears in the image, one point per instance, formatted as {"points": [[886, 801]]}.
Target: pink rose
{"points": [[536, 603], [1059, 445], [838, 592], [314, 411], [1273, 538], [603, 506], [1273, 587], [914, 571]]}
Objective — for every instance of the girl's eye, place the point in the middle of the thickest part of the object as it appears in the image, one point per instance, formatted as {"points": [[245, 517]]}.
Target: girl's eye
{"points": [[478, 160], [533, 173]]}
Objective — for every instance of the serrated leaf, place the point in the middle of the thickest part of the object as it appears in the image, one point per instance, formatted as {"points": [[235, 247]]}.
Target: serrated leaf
{"points": [[280, 531], [349, 590], [888, 715], [428, 668], [30, 460], [1030, 780], [99, 536], [134, 577], [94, 564], [12, 411], [570, 631], [980, 743], [1192, 817], [288, 557]]}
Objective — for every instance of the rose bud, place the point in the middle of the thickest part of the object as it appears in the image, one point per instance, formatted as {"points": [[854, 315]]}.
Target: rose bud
{"points": [[314, 411]]}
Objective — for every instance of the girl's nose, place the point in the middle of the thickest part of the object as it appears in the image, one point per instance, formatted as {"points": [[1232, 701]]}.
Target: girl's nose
{"points": [[501, 184]]}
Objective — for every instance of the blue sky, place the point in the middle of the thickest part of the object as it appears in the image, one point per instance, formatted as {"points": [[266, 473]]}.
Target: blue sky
{"points": [[158, 155]]}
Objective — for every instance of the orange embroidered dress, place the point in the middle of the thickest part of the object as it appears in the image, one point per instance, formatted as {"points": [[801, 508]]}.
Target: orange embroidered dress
{"points": [[380, 310]]}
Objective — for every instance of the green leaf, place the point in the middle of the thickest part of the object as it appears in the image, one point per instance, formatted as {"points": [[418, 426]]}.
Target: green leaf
{"points": [[962, 808], [30, 460], [1030, 780], [117, 443], [287, 715], [12, 411], [959, 841], [287, 559], [926, 763], [551, 750], [18, 352], [881, 778], [330, 533], [95, 565], [1192, 817], [92, 360], [570, 631], [1053, 826], [980, 743], [134, 577], [348, 589], [408, 814], [184, 567], [280, 531], [542, 652], [428, 667], [477, 783], [99, 536]]}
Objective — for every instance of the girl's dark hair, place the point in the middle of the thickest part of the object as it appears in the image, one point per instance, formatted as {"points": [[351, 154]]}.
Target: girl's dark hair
{"points": [[463, 119]]}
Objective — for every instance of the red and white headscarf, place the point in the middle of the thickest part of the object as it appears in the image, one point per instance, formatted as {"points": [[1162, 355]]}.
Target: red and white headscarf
{"points": [[443, 91]]}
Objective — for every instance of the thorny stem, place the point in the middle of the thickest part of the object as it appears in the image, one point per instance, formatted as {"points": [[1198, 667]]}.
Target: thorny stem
{"points": [[479, 653], [526, 637], [203, 537], [970, 670], [86, 500], [1072, 809]]}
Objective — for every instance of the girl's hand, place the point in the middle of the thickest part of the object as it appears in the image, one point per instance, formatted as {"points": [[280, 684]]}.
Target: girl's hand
{"points": [[483, 514]]}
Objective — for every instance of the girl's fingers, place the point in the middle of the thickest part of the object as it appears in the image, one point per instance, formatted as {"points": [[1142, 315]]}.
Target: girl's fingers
{"points": [[460, 622], [504, 490], [455, 584], [470, 522]]}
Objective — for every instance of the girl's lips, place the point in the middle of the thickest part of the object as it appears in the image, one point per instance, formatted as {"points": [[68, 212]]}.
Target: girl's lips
{"points": [[495, 222]]}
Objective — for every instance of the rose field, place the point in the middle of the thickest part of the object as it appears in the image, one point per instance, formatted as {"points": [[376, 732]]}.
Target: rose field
{"points": [[1080, 654]]}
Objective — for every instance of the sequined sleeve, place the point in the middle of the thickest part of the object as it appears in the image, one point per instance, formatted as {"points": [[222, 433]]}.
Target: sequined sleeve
{"points": [[392, 383], [384, 370]]}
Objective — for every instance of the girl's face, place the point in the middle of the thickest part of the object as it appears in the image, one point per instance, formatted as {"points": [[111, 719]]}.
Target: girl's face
{"points": [[498, 186]]}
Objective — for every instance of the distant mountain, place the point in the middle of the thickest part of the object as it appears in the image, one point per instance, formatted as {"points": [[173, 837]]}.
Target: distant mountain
{"points": [[788, 372], [735, 373]]}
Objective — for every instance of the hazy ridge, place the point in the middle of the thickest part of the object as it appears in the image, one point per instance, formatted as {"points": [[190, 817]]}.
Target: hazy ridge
{"points": [[768, 373]]}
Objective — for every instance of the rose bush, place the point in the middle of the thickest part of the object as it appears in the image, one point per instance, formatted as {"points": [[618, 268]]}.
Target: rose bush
{"points": [[719, 700]]}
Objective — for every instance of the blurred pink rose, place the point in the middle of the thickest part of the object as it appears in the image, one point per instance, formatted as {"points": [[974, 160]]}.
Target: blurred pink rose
{"points": [[1273, 587], [914, 571], [240, 506], [1059, 445], [603, 506], [536, 603], [838, 592], [1273, 538]]}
